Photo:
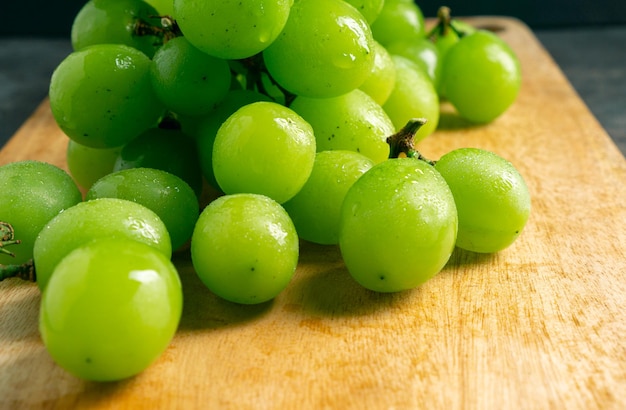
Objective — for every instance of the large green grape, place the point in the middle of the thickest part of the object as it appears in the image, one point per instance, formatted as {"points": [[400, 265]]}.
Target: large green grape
{"points": [[398, 20], [188, 81], [171, 198], [245, 248], [398, 225], [316, 209], [326, 49], [85, 221], [352, 121], [32, 193], [110, 309], [102, 96], [492, 198], [264, 148], [232, 29], [413, 96], [481, 76], [115, 22]]}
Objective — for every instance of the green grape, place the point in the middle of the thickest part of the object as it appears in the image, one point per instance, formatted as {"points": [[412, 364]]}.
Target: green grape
{"points": [[171, 198], [414, 96], [102, 97], [398, 21], [232, 29], [165, 149], [205, 129], [115, 22], [245, 248], [188, 81], [353, 121], [491, 196], [370, 9], [481, 76], [33, 192], [264, 148], [326, 49], [381, 80], [315, 210], [398, 225], [110, 309], [85, 221], [422, 52], [86, 165], [164, 7]]}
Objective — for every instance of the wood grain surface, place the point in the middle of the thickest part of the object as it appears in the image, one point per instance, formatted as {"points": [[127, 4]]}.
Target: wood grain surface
{"points": [[540, 325]]}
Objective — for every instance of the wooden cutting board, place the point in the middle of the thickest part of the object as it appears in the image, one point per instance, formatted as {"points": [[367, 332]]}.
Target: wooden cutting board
{"points": [[540, 325]]}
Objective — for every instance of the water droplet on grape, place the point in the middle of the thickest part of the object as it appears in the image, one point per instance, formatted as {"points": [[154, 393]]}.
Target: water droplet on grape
{"points": [[345, 60]]}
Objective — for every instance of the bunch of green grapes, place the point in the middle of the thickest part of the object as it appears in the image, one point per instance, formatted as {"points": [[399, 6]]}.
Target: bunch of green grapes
{"points": [[234, 130]]}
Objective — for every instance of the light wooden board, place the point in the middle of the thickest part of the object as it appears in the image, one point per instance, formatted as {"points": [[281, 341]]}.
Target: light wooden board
{"points": [[540, 325]]}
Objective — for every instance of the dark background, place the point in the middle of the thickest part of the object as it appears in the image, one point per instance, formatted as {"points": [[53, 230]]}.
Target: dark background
{"points": [[586, 38]]}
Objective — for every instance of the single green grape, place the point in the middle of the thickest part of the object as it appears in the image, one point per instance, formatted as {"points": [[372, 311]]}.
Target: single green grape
{"points": [[171, 198], [264, 148], [86, 165], [85, 221], [102, 96], [232, 29], [111, 309], [398, 225], [316, 209], [398, 20], [326, 49], [422, 52], [245, 248], [414, 96], [164, 7], [352, 121], [115, 22], [204, 129], [491, 196], [381, 80], [370, 9], [188, 81], [481, 76], [33, 192], [169, 150]]}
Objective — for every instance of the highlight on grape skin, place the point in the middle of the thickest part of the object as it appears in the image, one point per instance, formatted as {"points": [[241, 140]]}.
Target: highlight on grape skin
{"points": [[264, 132]]}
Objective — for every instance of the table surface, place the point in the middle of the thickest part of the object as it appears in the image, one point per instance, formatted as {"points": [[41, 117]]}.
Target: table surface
{"points": [[592, 58], [539, 325]]}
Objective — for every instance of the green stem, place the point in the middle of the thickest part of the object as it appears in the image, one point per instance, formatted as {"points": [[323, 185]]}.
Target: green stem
{"points": [[25, 271], [403, 142]]}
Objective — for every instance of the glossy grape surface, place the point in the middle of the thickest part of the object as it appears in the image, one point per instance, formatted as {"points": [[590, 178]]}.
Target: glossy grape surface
{"points": [[171, 198], [397, 21], [32, 193], [187, 80], [85, 221], [398, 225], [481, 64], [413, 96], [102, 97], [352, 121], [423, 52], [492, 198], [110, 309], [381, 80], [316, 209], [232, 29], [264, 148], [114, 22], [245, 248], [370, 9], [325, 50], [87, 165]]}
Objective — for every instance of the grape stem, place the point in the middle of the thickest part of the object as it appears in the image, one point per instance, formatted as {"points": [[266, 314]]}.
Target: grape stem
{"points": [[166, 30], [402, 143], [25, 271], [444, 24]]}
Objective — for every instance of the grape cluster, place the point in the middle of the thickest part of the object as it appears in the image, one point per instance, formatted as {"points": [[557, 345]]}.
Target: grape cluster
{"points": [[299, 116]]}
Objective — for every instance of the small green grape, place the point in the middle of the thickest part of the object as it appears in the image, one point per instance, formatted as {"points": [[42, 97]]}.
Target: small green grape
{"points": [[245, 248], [423, 52], [86, 165], [491, 196], [398, 20], [381, 80], [33, 192], [110, 309]]}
